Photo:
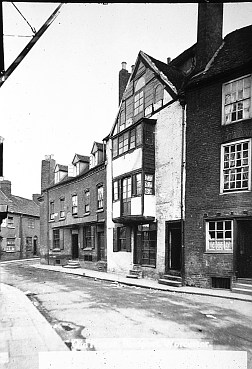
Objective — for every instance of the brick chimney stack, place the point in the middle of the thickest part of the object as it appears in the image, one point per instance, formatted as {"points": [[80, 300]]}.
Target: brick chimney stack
{"points": [[5, 186], [123, 80], [47, 172], [209, 36]]}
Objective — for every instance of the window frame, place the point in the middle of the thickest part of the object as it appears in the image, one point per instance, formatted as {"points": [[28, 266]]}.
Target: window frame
{"points": [[152, 187], [87, 201], [237, 101], [10, 222], [236, 169], [10, 244], [134, 134], [62, 208], [74, 204], [100, 201], [217, 231], [28, 243], [51, 210], [31, 223], [56, 239]]}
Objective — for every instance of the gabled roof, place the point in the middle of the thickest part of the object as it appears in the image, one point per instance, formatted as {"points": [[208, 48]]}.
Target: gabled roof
{"points": [[19, 204], [82, 158], [234, 53], [97, 145], [62, 168]]}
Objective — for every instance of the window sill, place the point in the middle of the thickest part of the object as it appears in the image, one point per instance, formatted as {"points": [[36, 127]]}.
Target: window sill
{"points": [[10, 251], [224, 124], [218, 252], [99, 210], [63, 218], [56, 250], [75, 215], [88, 249], [86, 214], [235, 192], [51, 221], [10, 227]]}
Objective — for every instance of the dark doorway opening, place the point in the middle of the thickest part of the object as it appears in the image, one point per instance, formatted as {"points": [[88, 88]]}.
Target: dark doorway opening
{"points": [[244, 249], [35, 246], [101, 246], [173, 246], [75, 246]]}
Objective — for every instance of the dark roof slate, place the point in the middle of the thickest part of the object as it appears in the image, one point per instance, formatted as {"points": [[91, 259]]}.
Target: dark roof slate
{"points": [[19, 204]]}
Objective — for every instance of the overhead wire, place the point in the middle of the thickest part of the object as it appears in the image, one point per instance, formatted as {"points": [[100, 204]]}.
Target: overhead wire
{"points": [[32, 28]]}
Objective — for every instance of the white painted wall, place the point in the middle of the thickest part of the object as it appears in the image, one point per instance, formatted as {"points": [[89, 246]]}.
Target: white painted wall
{"points": [[150, 205], [136, 206], [127, 163]]}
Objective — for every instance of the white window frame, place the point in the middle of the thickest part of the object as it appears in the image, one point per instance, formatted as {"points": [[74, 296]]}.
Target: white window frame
{"points": [[74, 204], [227, 243], [237, 100], [10, 245], [225, 191]]}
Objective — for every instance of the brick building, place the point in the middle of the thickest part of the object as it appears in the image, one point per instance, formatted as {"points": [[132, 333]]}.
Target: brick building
{"points": [[20, 228], [145, 171], [218, 206], [73, 210]]}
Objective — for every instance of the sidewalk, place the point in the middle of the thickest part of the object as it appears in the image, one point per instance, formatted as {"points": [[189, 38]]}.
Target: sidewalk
{"points": [[24, 332], [144, 283]]}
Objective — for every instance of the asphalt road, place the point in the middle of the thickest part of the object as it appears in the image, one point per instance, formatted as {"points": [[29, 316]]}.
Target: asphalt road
{"points": [[96, 315]]}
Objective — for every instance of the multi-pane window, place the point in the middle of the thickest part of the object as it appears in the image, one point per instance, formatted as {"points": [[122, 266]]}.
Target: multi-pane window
{"points": [[115, 190], [62, 207], [127, 141], [149, 247], [74, 204], [237, 100], [149, 184], [56, 239], [219, 236], [10, 222], [236, 166], [28, 243], [87, 237], [100, 197], [10, 246], [51, 210], [122, 239], [126, 196], [138, 102], [137, 184], [87, 201], [31, 223]]}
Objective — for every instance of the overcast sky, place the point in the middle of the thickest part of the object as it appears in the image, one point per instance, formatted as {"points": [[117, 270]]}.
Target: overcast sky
{"points": [[64, 94]]}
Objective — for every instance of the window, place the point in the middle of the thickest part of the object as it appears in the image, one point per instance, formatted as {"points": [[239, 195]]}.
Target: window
{"points": [[137, 184], [236, 166], [122, 117], [31, 223], [115, 190], [149, 246], [10, 222], [100, 197], [74, 204], [10, 247], [237, 100], [127, 141], [28, 243], [122, 239], [158, 93], [138, 102], [62, 207], [219, 236], [149, 184], [89, 237], [56, 239], [51, 210], [87, 201]]}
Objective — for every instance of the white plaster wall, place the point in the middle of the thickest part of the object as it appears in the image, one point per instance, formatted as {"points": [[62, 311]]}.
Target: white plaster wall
{"points": [[136, 206], [150, 205], [167, 173], [127, 163], [116, 209]]}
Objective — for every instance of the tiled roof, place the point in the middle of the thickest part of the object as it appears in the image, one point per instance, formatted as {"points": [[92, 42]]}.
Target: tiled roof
{"points": [[62, 168], [19, 204], [82, 158], [234, 53]]}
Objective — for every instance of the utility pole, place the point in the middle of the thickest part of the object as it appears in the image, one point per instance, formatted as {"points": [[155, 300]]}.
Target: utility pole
{"points": [[1, 41]]}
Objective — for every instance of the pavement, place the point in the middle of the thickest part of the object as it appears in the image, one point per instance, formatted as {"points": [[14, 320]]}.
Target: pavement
{"points": [[24, 332]]}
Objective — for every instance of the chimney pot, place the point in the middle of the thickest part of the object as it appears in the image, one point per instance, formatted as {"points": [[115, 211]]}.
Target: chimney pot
{"points": [[124, 65], [168, 60]]}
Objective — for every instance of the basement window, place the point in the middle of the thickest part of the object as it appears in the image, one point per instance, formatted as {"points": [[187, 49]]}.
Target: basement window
{"points": [[221, 283]]}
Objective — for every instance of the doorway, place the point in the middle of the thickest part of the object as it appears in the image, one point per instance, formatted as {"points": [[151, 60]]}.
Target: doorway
{"points": [[101, 246], [35, 240], [75, 246], [173, 245], [244, 249]]}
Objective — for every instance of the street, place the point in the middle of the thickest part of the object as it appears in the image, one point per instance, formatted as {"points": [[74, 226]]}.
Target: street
{"points": [[91, 314]]}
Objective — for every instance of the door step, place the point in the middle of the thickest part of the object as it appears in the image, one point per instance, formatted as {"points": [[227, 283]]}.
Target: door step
{"points": [[243, 285], [171, 280], [72, 264], [135, 273]]}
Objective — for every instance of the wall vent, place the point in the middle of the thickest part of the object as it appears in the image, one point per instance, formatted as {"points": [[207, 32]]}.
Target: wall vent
{"points": [[88, 258], [221, 282]]}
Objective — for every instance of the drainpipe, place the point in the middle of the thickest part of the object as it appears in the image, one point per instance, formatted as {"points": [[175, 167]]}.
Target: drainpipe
{"points": [[47, 225], [182, 102]]}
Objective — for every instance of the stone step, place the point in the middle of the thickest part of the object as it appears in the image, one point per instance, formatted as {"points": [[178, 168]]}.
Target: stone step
{"points": [[244, 286], [172, 277], [244, 280], [242, 290], [170, 282], [134, 276], [71, 266]]}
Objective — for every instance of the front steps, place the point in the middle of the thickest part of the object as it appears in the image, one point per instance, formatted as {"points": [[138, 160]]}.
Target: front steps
{"points": [[72, 264], [135, 273], [243, 285], [171, 280]]}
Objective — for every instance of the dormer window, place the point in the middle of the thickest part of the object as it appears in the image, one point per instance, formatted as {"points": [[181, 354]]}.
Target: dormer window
{"points": [[60, 172]]}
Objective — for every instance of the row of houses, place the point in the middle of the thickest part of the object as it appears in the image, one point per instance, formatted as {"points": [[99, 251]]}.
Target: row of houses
{"points": [[167, 194]]}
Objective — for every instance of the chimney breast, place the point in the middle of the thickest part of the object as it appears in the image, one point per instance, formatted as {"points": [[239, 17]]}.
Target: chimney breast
{"points": [[123, 80], [209, 35], [47, 172]]}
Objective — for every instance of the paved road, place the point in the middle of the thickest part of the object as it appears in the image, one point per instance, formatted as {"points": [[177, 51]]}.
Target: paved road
{"points": [[109, 314]]}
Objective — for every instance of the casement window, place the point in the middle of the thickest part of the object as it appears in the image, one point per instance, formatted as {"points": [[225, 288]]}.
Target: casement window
{"points": [[219, 236], [116, 190], [28, 243], [122, 239], [236, 166], [10, 222], [149, 247], [51, 210], [31, 223], [87, 201], [237, 100], [56, 238], [122, 117], [139, 96], [137, 184], [149, 184], [10, 246], [100, 194], [127, 141], [74, 204], [89, 237], [62, 207], [131, 186]]}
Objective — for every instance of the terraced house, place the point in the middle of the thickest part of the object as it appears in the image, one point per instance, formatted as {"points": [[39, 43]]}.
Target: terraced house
{"points": [[73, 211]]}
